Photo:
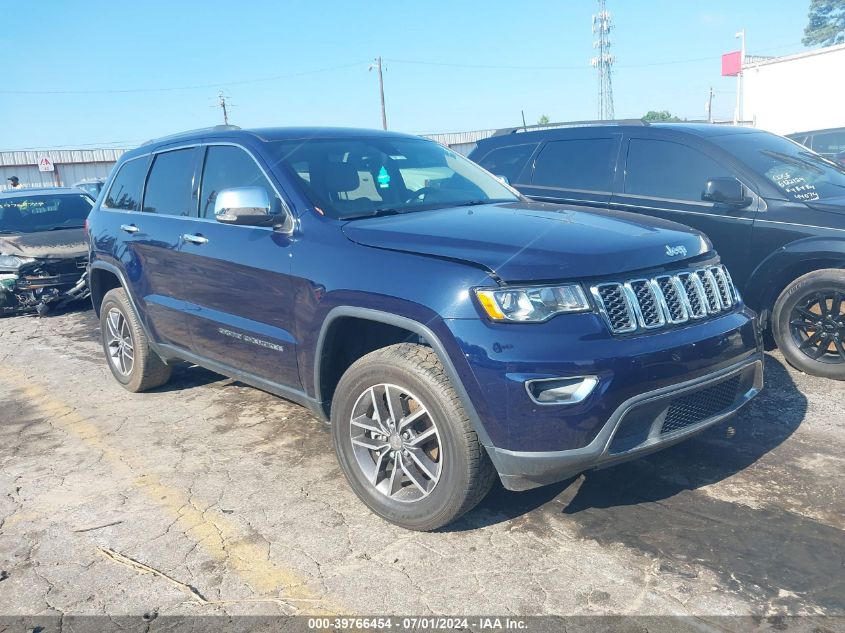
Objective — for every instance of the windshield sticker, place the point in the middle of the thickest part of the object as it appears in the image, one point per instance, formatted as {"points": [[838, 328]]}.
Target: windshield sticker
{"points": [[796, 186], [397, 157], [383, 178]]}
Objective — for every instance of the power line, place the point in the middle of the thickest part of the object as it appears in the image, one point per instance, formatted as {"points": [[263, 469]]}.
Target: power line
{"points": [[216, 84]]}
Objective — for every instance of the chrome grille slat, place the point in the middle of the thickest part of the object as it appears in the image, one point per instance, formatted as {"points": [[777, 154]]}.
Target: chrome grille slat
{"points": [[651, 304], [711, 290], [725, 293]]}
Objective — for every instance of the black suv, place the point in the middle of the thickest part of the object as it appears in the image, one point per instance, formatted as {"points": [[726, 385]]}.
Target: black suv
{"points": [[774, 210]]}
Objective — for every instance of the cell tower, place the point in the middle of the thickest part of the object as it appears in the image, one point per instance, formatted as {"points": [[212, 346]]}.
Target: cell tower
{"points": [[603, 62]]}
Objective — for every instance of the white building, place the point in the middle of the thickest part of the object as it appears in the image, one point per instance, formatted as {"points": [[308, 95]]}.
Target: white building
{"points": [[796, 93]]}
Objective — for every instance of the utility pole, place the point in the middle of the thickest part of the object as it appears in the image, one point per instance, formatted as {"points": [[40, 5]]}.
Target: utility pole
{"points": [[710, 106], [603, 62], [377, 65], [223, 106], [738, 109]]}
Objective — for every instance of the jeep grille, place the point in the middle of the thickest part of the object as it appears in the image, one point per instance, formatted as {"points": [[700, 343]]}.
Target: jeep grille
{"points": [[650, 304]]}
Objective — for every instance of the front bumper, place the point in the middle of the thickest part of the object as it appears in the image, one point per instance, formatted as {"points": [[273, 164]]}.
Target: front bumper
{"points": [[641, 425], [533, 443]]}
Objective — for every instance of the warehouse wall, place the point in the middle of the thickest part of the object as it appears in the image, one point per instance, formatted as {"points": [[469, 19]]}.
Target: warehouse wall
{"points": [[71, 166]]}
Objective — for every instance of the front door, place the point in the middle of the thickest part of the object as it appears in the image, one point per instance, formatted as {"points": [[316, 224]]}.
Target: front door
{"points": [[665, 179], [237, 278]]}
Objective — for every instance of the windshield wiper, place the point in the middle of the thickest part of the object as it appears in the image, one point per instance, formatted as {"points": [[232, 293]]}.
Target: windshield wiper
{"points": [[63, 227], [375, 213]]}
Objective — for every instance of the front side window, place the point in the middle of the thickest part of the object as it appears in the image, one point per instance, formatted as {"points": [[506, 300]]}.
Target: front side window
{"points": [[664, 169], [800, 174], [125, 190], [170, 183], [508, 161], [586, 164], [360, 177], [34, 213], [226, 167]]}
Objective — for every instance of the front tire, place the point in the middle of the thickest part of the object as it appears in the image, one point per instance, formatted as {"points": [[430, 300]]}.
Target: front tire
{"points": [[808, 323], [131, 360], [404, 441]]}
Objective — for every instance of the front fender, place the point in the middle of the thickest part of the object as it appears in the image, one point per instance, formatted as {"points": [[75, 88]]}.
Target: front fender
{"points": [[788, 263], [433, 330]]}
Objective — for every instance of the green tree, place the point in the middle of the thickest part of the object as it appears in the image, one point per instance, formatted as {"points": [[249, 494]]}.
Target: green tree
{"points": [[826, 23], [662, 115], [543, 119]]}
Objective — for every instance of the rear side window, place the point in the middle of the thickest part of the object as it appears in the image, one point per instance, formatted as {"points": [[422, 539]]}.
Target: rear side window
{"points": [[125, 191], [508, 161], [586, 164], [170, 183], [664, 169], [225, 167]]}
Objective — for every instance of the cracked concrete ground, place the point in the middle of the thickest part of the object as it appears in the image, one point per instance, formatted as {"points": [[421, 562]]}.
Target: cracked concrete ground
{"points": [[210, 497]]}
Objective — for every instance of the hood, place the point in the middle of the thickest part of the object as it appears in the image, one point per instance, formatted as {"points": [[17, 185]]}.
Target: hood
{"points": [[527, 241], [60, 244], [835, 205]]}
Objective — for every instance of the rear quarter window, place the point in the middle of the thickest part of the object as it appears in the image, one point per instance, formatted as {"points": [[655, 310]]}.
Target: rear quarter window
{"points": [[125, 190]]}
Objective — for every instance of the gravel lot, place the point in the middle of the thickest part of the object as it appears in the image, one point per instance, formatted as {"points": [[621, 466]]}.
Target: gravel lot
{"points": [[210, 497]]}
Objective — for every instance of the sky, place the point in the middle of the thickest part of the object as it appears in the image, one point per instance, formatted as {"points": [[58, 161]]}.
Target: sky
{"points": [[104, 73]]}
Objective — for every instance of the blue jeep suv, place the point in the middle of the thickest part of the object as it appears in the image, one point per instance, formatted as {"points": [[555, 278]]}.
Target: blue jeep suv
{"points": [[447, 328]]}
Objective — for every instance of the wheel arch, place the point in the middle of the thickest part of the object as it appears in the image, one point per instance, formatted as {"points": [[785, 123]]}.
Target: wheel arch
{"points": [[787, 264], [324, 372]]}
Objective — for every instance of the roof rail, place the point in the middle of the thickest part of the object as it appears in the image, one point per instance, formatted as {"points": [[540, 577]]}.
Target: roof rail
{"points": [[552, 126], [177, 135]]}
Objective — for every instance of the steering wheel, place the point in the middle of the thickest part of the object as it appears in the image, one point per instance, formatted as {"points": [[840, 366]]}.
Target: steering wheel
{"points": [[420, 194]]}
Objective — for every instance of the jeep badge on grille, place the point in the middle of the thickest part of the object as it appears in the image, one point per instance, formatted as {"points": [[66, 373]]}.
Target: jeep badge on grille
{"points": [[671, 251]]}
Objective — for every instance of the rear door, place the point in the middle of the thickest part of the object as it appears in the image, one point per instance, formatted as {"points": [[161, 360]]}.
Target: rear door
{"points": [[236, 279], [580, 169], [148, 243], [665, 178]]}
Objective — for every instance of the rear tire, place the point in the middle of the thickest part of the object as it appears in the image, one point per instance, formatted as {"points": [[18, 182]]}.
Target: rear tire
{"points": [[420, 467], [131, 360], [808, 323]]}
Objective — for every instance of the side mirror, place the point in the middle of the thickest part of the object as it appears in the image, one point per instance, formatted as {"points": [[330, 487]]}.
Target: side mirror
{"points": [[248, 206], [727, 191]]}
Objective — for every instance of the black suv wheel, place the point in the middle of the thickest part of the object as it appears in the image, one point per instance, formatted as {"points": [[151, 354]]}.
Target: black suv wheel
{"points": [[404, 441], [132, 362], [808, 323]]}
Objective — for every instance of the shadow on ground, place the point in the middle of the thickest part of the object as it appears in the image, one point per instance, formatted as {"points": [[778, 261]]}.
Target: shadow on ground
{"points": [[655, 505]]}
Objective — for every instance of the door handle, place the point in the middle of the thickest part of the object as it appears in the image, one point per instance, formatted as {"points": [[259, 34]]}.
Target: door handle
{"points": [[194, 239], [129, 228]]}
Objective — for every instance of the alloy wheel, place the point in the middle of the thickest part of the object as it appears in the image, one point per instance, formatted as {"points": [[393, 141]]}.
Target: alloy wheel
{"points": [[119, 342], [396, 443], [817, 324]]}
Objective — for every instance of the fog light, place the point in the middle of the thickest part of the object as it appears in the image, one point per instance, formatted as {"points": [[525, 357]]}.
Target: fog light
{"points": [[561, 390]]}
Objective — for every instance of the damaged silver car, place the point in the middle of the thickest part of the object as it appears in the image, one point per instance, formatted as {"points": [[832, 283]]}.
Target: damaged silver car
{"points": [[43, 249]]}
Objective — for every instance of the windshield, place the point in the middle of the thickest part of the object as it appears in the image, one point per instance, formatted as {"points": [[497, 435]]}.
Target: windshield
{"points": [[799, 173], [30, 214], [361, 177]]}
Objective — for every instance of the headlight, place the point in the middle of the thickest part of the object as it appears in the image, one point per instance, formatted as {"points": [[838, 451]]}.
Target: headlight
{"points": [[13, 261], [532, 304]]}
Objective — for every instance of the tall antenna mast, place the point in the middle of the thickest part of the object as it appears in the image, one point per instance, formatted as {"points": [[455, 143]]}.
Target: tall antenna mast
{"points": [[223, 107], [603, 62]]}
